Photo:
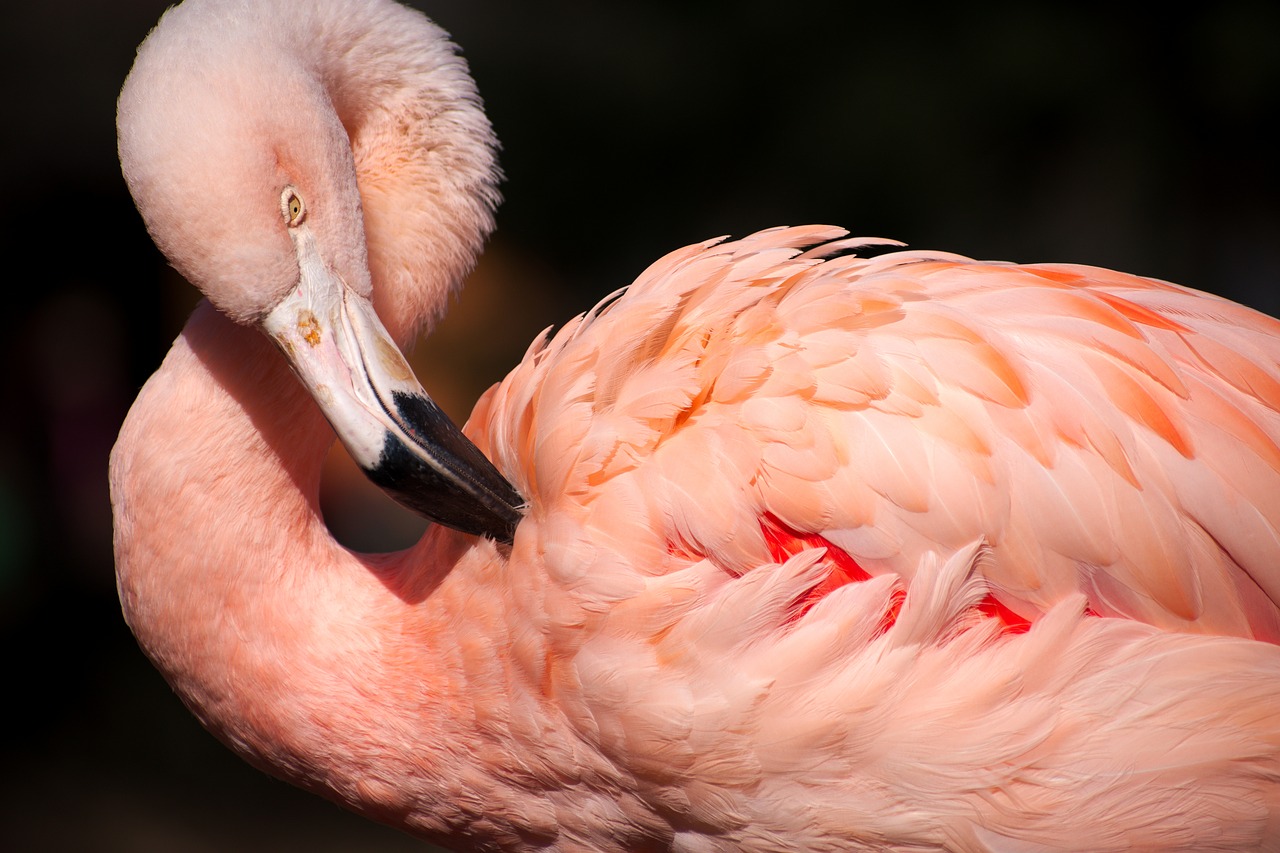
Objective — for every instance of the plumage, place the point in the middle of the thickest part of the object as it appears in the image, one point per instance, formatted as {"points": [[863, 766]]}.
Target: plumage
{"points": [[1080, 470], [816, 551]]}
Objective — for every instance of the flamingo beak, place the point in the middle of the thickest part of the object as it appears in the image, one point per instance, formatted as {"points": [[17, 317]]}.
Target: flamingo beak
{"points": [[401, 439]]}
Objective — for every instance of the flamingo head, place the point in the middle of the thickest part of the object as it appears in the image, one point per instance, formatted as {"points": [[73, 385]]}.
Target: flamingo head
{"points": [[300, 163]]}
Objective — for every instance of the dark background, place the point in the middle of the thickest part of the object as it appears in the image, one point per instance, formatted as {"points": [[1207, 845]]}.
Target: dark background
{"points": [[1005, 131]]}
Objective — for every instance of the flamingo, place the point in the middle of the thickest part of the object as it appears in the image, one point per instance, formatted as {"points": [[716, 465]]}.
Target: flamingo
{"points": [[789, 545]]}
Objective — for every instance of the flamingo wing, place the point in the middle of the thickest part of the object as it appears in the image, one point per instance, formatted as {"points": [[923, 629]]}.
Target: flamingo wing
{"points": [[1101, 433]]}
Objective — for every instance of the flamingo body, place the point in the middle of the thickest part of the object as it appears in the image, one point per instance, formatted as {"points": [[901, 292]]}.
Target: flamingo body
{"points": [[817, 551]]}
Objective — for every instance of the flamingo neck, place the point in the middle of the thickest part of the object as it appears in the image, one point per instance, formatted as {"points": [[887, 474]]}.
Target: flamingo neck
{"points": [[315, 664]]}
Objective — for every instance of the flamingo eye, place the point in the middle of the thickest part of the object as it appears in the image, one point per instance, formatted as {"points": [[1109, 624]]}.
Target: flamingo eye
{"points": [[291, 207]]}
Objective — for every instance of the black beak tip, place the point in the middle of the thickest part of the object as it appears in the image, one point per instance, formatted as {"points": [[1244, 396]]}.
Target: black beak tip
{"points": [[417, 486], [443, 476]]}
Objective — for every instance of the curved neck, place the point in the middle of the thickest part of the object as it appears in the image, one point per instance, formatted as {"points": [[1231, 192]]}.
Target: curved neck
{"points": [[214, 487], [303, 657], [221, 424]]}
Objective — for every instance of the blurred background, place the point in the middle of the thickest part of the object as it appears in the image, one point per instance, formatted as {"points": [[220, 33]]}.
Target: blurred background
{"points": [[1013, 131]]}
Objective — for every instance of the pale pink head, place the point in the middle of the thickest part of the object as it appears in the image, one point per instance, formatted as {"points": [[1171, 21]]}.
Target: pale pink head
{"points": [[302, 163], [365, 108]]}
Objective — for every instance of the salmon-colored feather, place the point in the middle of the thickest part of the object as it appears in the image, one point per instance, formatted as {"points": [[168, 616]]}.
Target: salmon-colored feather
{"points": [[954, 434]]}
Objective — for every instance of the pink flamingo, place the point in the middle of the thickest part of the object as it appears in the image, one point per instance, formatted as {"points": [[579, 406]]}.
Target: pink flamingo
{"points": [[805, 550]]}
